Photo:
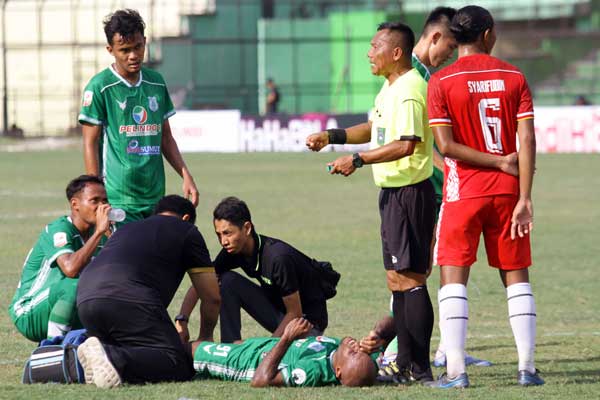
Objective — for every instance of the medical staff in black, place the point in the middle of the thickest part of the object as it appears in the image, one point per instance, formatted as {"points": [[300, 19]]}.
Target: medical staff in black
{"points": [[290, 284], [123, 295]]}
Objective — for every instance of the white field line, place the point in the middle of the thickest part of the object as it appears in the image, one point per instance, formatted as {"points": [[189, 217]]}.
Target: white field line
{"points": [[32, 193], [54, 213], [546, 334]]}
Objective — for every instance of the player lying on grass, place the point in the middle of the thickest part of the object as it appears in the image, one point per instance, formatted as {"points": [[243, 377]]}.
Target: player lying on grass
{"points": [[286, 361]]}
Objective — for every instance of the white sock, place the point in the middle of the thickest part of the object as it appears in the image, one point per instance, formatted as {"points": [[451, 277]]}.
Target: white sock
{"points": [[522, 317], [440, 350], [454, 314], [56, 329]]}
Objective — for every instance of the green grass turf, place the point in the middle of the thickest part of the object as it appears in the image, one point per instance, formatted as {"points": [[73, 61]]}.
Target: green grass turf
{"points": [[334, 218]]}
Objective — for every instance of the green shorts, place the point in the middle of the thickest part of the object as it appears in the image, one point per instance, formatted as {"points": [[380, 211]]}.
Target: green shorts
{"points": [[33, 324]]}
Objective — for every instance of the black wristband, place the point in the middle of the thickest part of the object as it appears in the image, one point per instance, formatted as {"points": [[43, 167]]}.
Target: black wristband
{"points": [[337, 136], [181, 318]]}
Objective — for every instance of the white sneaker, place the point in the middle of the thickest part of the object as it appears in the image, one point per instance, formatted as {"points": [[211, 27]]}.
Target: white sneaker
{"points": [[96, 366], [88, 372]]}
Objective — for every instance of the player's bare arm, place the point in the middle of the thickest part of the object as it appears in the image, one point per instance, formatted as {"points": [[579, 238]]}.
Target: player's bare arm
{"points": [[389, 152], [438, 160], [173, 156], [187, 307], [72, 264], [356, 134], [91, 139], [380, 336], [449, 148], [293, 309], [207, 288], [522, 219], [267, 373]]}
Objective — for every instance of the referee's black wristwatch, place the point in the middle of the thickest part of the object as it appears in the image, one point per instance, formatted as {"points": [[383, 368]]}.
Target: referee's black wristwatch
{"points": [[357, 162], [181, 318]]}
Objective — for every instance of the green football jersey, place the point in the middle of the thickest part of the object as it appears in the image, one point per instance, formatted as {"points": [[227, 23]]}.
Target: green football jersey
{"points": [[438, 175], [132, 118], [40, 270], [307, 362]]}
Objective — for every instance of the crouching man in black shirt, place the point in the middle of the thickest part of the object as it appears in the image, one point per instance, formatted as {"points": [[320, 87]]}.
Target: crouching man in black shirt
{"points": [[123, 296], [292, 285]]}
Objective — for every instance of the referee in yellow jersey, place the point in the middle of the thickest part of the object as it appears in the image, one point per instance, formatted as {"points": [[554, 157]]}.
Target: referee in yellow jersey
{"points": [[401, 154]]}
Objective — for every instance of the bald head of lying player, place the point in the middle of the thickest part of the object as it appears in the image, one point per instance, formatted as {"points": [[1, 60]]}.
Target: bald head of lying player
{"points": [[287, 361], [352, 366]]}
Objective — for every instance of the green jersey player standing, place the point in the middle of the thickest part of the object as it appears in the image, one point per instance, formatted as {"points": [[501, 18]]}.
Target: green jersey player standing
{"points": [[286, 361], [126, 131], [44, 303]]}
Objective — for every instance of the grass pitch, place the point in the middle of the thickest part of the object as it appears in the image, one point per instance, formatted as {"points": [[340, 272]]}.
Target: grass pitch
{"points": [[334, 218]]}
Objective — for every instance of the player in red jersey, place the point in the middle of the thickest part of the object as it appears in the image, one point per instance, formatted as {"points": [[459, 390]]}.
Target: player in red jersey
{"points": [[476, 106]]}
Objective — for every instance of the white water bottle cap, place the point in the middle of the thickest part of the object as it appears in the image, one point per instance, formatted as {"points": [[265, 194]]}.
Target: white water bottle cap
{"points": [[116, 215]]}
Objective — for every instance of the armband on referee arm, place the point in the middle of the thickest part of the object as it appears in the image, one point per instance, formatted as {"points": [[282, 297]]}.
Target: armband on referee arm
{"points": [[337, 136]]}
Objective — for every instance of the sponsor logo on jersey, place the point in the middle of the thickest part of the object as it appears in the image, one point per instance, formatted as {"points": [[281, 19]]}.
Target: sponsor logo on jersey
{"points": [[316, 346], [88, 95], [298, 376], [140, 130], [139, 114], [152, 103], [325, 339], [134, 148], [60, 239], [266, 280], [122, 104]]}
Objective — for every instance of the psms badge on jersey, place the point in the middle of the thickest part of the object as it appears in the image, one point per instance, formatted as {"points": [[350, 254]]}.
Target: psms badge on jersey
{"points": [[153, 103]]}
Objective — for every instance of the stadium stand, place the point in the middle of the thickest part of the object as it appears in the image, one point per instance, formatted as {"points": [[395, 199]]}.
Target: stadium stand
{"points": [[219, 56]]}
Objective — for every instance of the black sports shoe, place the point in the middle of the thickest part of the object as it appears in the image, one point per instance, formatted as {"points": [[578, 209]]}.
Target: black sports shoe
{"points": [[391, 373]]}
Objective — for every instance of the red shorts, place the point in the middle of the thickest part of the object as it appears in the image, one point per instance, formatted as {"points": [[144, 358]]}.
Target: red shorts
{"points": [[461, 223]]}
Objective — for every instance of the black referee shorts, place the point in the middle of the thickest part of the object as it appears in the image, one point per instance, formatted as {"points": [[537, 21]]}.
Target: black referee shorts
{"points": [[407, 219]]}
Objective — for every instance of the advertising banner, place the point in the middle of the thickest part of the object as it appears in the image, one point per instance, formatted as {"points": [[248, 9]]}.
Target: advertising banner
{"points": [[572, 129], [207, 131], [289, 132]]}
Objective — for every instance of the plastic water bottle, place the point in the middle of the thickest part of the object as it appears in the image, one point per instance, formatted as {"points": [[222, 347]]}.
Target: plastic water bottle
{"points": [[116, 215]]}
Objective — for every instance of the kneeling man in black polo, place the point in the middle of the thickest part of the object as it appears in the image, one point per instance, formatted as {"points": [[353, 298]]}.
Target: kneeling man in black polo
{"points": [[123, 295], [290, 284]]}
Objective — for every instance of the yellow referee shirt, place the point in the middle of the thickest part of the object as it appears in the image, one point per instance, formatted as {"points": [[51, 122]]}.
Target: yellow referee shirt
{"points": [[400, 113]]}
